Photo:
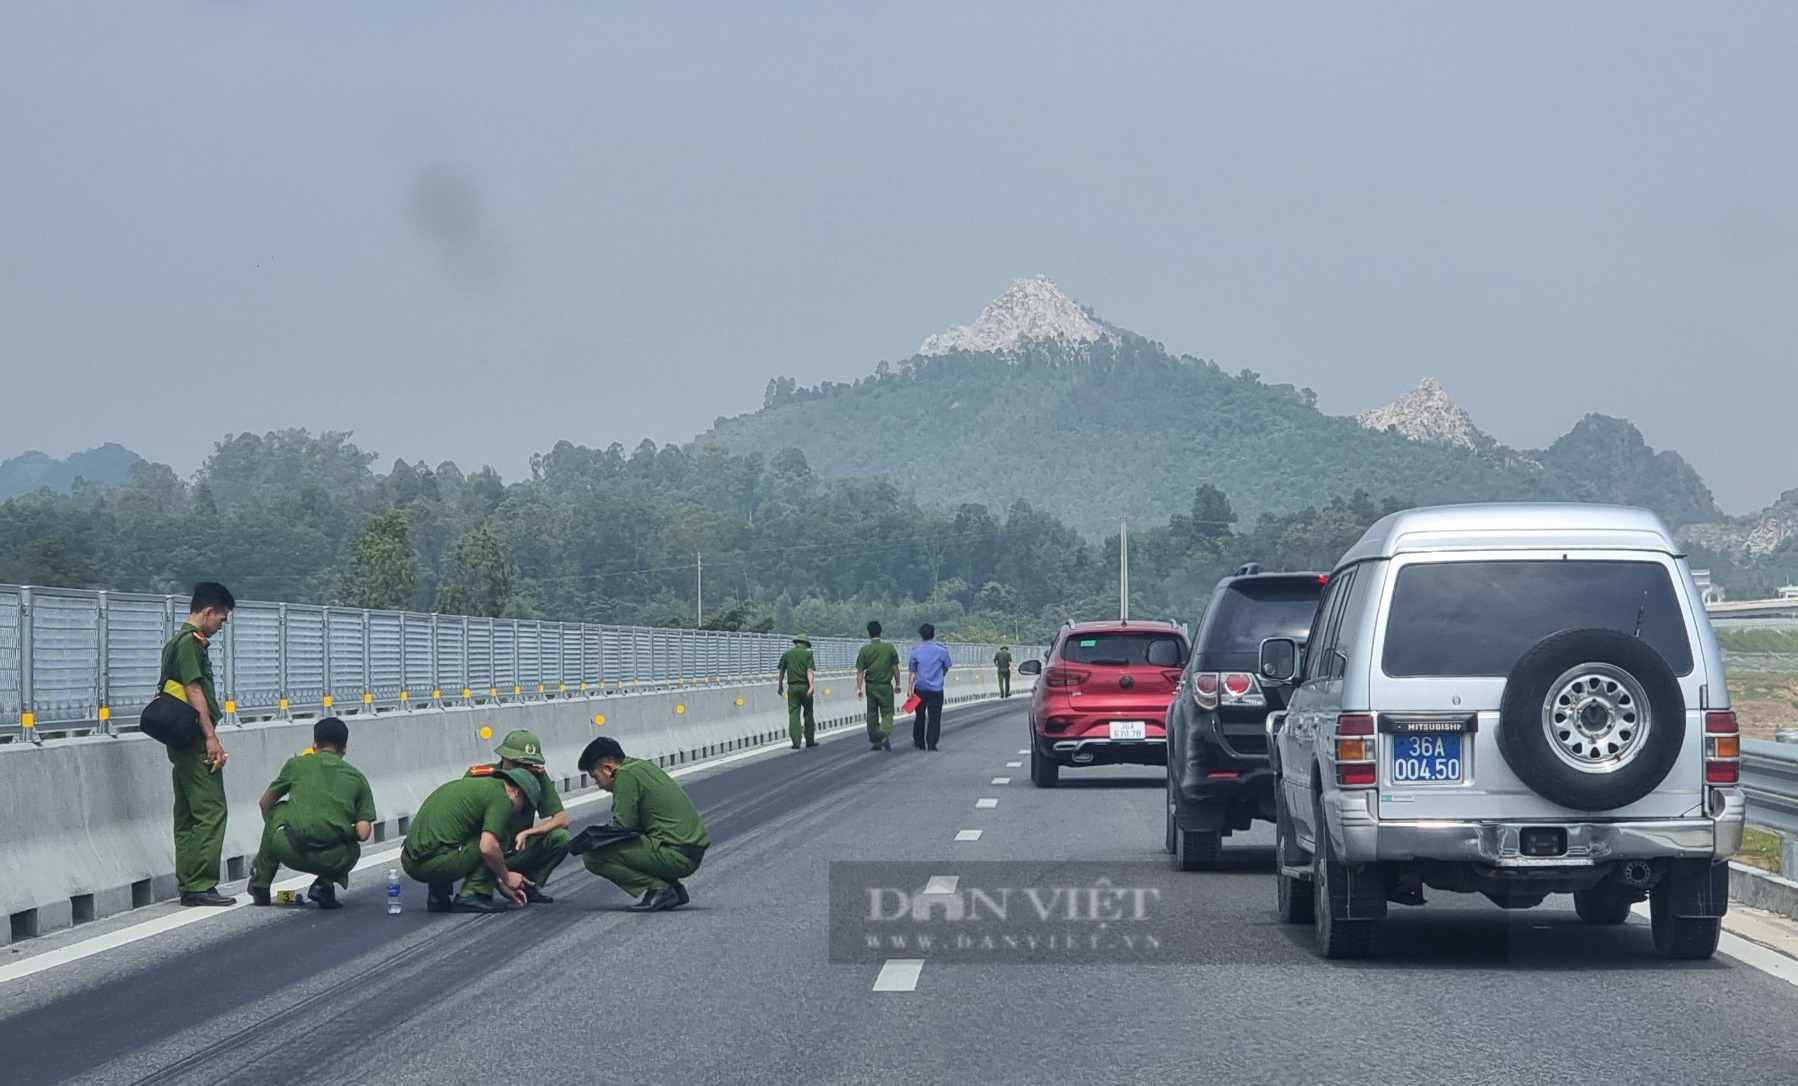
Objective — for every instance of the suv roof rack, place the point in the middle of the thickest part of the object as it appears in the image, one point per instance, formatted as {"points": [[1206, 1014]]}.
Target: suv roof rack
{"points": [[1247, 569]]}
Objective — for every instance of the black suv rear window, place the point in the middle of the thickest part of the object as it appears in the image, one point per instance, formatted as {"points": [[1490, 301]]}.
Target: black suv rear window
{"points": [[1146, 649], [1248, 612], [1477, 618]]}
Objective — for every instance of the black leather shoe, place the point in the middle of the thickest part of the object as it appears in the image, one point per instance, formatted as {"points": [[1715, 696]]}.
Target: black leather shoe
{"points": [[680, 893], [886, 744], [207, 897], [931, 748], [259, 895], [811, 743], [655, 901], [477, 903], [795, 746], [325, 894], [438, 900], [534, 894], [875, 746]]}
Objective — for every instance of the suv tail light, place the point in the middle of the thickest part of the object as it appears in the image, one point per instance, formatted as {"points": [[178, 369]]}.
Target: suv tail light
{"points": [[1065, 676], [1722, 748], [1355, 751], [1210, 688]]}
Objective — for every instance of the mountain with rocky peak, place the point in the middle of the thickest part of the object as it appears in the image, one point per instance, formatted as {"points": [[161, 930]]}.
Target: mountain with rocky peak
{"points": [[1429, 414], [1032, 311]]}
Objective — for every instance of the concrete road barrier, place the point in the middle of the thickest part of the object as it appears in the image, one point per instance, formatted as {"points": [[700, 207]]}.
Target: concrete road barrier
{"points": [[86, 823]]}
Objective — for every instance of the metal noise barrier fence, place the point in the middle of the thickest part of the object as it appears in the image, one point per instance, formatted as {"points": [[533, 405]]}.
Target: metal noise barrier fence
{"points": [[78, 662], [1770, 778]]}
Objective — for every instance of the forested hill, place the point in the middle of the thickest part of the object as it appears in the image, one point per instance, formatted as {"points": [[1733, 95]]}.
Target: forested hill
{"points": [[1122, 428]]}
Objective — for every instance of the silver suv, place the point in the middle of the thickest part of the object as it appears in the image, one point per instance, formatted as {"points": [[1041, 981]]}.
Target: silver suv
{"points": [[1513, 700]]}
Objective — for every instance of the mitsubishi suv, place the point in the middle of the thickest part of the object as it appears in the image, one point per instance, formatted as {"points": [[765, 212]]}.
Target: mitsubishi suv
{"points": [[1514, 700], [1218, 779], [1103, 696]]}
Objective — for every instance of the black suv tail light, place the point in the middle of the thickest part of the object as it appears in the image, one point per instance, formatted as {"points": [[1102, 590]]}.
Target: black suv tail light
{"points": [[1211, 688]]}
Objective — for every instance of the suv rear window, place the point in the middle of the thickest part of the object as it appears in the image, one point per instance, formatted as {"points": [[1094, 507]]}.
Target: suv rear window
{"points": [[1250, 611], [1125, 649], [1477, 618]]}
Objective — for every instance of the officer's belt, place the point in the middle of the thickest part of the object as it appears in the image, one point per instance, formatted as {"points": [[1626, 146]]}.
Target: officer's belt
{"points": [[695, 853], [302, 843], [427, 857]]}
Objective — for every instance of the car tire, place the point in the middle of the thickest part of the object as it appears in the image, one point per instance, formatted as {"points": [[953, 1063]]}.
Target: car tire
{"points": [[1605, 903], [1337, 937], [1197, 850], [1691, 938], [1044, 773], [1292, 896], [1169, 803], [1638, 721]]}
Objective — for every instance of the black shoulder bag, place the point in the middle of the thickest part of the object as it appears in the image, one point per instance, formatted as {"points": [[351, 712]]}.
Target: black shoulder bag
{"points": [[169, 719]]}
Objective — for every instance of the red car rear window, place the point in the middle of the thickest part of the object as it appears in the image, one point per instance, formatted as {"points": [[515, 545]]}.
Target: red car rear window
{"points": [[1146, 649]]}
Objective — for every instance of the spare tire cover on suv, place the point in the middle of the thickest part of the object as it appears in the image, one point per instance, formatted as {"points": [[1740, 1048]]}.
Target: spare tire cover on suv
{"points": [[1591, 719]]}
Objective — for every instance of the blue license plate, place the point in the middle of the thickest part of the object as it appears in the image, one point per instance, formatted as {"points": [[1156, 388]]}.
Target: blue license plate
{"points": [[1427, 759]]}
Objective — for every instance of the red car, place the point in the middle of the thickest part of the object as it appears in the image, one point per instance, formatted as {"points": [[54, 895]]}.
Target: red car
{"points": [[1103, 696]]}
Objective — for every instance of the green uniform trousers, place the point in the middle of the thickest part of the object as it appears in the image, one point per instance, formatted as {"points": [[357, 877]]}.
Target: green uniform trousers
{"points": [[1005, 684], [541, 855], [642, 864], [443, 870], [331, 862], [880, 711], [800, 701], [199, 818]]}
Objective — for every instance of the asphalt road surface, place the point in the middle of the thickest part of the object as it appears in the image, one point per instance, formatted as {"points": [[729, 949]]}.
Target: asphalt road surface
{"points": [[740, 987]]}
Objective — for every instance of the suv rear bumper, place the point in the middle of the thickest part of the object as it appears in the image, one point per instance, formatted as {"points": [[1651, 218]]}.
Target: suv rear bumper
{"points": [[1361, 838]]}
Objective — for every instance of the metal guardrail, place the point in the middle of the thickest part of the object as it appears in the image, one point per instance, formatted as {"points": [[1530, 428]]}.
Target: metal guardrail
{"points": [[83, 662], [1770, 779]]}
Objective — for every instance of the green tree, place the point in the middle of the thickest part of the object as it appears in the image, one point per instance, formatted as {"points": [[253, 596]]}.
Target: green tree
{"points": [[382, 571], [50, 561], [479, 576]]}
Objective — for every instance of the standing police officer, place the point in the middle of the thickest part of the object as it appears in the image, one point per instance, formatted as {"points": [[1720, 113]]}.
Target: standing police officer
{"points": [[198, 769], [1002, 661], [319, 827], [797, 682], [534, 851], [877, 672]]}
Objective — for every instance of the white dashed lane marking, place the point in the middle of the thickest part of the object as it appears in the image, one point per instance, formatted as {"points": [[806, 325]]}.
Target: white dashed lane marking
{"points": [[1001, 780], [899, 975], [967, 835], [942, 884], [986, 803], [1013, 765]]}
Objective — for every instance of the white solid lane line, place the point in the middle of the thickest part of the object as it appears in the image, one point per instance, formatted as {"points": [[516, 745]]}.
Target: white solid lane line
{"points": [[1001, 780], [942, 884], [967, 835], [1746, 951], [986, 803], [899, 975]]}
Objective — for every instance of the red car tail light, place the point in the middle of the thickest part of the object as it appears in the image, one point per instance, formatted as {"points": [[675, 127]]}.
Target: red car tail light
{"points": [[1722, 748], [1355, 751], [1065, 676]]}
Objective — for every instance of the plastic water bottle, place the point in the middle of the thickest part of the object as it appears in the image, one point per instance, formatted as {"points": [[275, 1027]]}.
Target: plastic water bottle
{"points": [[393, 891]]}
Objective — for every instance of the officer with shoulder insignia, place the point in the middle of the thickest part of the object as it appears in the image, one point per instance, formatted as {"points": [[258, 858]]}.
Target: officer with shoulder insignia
{"points": [[315, 816], [534, 851], [457, 835]]}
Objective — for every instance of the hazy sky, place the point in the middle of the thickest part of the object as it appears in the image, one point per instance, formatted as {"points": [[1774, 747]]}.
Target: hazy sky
{"points": [[464, 231]]}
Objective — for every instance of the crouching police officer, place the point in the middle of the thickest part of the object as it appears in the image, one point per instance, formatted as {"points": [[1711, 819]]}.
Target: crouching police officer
{"points": [[671, 841], [534, 851], [315, 816], [456, 835]]}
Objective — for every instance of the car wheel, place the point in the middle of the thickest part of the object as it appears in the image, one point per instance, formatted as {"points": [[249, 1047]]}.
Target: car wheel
{"points": [[1688, 937], [1292, 896], [1337, 936], [1044, 773], [1197, 850], [1591, 719], [1605, 903]]}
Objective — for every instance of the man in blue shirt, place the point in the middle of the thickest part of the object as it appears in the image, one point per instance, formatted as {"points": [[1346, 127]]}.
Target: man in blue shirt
{"points": [[929, 667]]}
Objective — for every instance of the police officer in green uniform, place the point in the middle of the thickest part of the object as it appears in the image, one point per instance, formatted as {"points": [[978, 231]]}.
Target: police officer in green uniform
{"points": [[673, 839], [798, 683], [1002, 661], [457, 835], [534, 851], [877, 674], [198, 769], [319, 827]]}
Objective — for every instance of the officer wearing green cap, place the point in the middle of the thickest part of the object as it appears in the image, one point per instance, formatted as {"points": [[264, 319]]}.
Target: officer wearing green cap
{"points": [[797, 682], [456, 837], [316, 814], [532, 850], [877, 673], [1002, 661]]}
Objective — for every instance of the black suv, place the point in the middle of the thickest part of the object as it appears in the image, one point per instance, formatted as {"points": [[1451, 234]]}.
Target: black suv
{"points": [[1218, 778]]}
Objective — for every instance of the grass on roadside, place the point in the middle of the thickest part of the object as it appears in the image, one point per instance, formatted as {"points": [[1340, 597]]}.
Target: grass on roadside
{"points": [[1758, 639], [1759, 849], [1764, 701]]}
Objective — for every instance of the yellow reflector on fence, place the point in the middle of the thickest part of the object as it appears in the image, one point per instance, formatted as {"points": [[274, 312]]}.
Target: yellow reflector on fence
{"points": [[486, 732], [327, 701], [680, 708], [28, 720], [599, 720], [105, 713]]}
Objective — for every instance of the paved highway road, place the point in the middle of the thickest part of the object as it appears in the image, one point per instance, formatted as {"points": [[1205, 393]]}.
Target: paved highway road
{"points": [[740, 988]]}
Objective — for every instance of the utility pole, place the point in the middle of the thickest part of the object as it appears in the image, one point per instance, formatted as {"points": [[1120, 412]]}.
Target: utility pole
{"points": [[699, 588], [1123, 570]]}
